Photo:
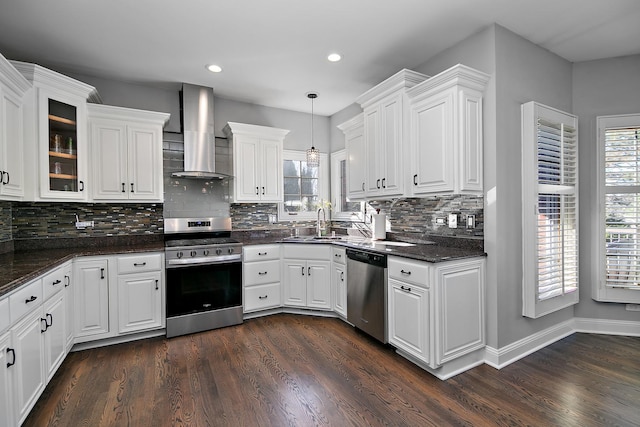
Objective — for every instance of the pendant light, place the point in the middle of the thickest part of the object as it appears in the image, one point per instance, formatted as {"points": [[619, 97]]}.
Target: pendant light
{"points": [[313, 154]]}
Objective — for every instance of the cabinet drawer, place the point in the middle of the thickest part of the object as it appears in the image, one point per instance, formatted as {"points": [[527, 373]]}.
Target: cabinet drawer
{"points": [[262, 296], [53, 282], [25, 300], [261, 252], [5, 320], [307, 251], [409, 271], [139, 263], [257, 273], [339, 255]]}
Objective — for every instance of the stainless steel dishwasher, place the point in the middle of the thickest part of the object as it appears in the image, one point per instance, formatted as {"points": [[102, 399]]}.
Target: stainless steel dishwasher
{"points": [[367, 292]]}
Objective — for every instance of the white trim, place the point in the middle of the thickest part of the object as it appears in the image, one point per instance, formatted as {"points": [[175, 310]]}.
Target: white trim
{"points": [[609, 327], [499, 358], [336, 213]]}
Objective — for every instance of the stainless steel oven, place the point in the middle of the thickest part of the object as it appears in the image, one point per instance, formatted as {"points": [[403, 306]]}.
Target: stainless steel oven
{"points": [[203, 275]]}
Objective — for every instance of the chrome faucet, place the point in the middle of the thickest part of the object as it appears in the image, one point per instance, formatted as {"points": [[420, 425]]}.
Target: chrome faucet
{"points": [[324, 219]]}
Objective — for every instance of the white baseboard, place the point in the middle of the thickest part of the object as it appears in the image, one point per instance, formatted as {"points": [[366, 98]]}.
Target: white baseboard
{"points": [[608, 327], [499, 358]]}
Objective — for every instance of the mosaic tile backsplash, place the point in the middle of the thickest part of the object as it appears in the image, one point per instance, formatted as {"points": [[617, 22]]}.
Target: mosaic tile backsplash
{"points": [[57, 220], [5, 221]]}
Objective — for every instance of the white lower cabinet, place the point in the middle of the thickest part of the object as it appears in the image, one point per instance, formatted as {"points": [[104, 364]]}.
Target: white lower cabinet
{"points": [[139, 302], [339, 281], [436, 310], [55, 338], [307, 277], [7, 364], [29, 376], [409, 318], [91, 306], [261, 277]]}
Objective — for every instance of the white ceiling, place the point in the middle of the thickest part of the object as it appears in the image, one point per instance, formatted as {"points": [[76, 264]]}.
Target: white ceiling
{"points": [[274, 52]]}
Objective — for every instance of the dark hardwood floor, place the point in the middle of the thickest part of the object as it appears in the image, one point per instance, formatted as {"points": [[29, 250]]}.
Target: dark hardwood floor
{"points": [[288, 370]]}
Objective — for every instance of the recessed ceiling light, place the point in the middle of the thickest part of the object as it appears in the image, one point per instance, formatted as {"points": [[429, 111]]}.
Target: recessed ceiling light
{"points": [[334, 57], [214, 68]]}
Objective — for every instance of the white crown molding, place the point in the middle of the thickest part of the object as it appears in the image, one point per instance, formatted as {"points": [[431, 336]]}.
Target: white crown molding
{"points": [[458, 75], [125, 114], [38, 75], [352, 123], [403, 79], [12, 78], [253, 130]]}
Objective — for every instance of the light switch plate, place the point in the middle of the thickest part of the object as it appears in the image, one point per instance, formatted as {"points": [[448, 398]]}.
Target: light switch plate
{"points": [[471, 221], [453, 220]]}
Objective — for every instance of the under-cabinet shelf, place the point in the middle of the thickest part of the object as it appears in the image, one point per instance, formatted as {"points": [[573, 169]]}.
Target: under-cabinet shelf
{"points": [[63, 155], [62, 120]]}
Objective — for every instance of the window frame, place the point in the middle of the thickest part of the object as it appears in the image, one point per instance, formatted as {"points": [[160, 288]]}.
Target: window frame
{"points": [[336, 191], [600, 290], [323, 186], [532, 189]]}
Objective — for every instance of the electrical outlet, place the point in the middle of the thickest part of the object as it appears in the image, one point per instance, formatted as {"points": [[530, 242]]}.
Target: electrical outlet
{"points": [[471, 221], [453, 220], [441, 221], [83, 224]]}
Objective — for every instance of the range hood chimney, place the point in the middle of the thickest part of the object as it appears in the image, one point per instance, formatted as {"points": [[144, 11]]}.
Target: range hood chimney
{"points": [[199, 138]]}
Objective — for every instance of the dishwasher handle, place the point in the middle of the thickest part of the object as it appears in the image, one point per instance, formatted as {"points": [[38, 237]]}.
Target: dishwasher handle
{"points": [[371, 258]]}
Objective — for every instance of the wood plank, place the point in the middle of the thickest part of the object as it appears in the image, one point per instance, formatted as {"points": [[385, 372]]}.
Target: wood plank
{"points": [[301, 370]]}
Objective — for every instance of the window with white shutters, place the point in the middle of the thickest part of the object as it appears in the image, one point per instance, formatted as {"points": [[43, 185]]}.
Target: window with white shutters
{"points": [[550, 209], [619, 195]]}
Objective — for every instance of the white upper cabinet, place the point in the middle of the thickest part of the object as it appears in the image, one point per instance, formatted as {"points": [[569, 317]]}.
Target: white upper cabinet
{"points": [[257, 162], [446, 133], [126, 153], [385, 136], [353, 130], [13, 87], [56, 134]]}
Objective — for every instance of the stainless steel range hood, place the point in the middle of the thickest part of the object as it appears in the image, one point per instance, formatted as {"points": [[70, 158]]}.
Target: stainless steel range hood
{"points": [[199, 138]]}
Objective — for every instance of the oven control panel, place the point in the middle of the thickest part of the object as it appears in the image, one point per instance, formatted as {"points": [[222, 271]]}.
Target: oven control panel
{"points": [[206, 254]]}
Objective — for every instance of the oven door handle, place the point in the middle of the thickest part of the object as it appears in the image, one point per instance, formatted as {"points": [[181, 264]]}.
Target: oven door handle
{"points": [[189, 262]]}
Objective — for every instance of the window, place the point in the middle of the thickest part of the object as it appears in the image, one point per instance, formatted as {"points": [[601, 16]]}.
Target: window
{"points": [[342, 209], [619, 197], [304, 187], [550, 209]]}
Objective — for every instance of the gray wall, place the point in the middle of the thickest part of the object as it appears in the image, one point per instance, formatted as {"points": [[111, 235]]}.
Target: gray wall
{"points": [[600, 88]]}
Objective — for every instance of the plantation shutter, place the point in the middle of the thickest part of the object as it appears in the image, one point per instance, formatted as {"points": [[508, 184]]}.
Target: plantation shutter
{"points": [[550, 209], [622, 206]]}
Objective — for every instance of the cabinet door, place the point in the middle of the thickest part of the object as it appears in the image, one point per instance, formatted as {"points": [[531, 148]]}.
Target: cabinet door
{"points": [[356, 164], [11, 146], [470, 144], [62, 125], [271, 164], [391, 146], [459, 309], [245, 157], [339, 289], [295, 283], [7, 363], [319, 284], [109, 150], [55, 339], [408, 318], [432, 144], [145, 163], [139, 302], [69, 304], [91, 299], [28, 375]]}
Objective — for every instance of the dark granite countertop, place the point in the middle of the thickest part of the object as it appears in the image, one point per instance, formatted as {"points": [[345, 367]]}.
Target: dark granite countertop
{"points": [[431, 252], [21, 266]]}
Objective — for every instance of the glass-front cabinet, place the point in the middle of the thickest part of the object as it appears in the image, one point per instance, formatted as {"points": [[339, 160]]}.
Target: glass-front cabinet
{"points": [[58, 110], [63, 152]]}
